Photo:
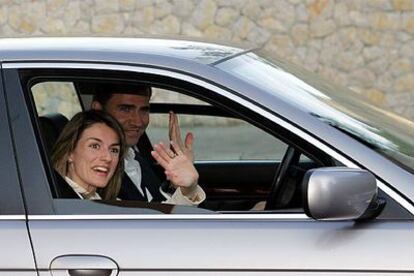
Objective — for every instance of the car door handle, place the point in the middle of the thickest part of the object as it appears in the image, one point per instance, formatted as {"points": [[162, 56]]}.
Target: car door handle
{"points": [[89, 272], [83, 265]]}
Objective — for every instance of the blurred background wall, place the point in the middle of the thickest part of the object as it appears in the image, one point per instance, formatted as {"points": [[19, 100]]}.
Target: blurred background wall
{"points": [[367, 45]]}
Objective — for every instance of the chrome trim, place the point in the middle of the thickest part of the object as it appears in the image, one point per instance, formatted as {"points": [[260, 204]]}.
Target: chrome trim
{"points": [[12, 217], [231, 161], [234, 56], [394, 195], [261, 217], [162, 72]]}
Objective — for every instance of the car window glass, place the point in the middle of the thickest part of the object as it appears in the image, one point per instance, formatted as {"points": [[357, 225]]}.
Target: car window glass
{"points": [[167, 96], [236, 160], [221, 139], [217, 138], [381, 130], [56, 97]]}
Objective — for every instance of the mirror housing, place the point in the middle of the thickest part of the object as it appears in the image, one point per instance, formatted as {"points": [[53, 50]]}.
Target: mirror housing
{"points": [[341, 193]]}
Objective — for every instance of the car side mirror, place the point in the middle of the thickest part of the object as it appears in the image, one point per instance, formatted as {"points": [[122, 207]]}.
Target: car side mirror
{"points": [[341, 193]]}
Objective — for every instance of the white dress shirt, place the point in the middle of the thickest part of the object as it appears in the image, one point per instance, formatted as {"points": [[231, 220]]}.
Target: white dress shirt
{"points": [[133, 170]]}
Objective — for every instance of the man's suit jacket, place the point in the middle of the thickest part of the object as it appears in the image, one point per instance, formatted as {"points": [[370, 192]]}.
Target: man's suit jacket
{"points": [[129, 191], [150, 180]]}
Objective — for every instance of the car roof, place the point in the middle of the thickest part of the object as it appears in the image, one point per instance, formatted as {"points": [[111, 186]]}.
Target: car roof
{"points": [[112, 49]]}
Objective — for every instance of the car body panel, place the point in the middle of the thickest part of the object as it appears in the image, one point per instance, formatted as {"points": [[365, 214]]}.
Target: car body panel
{"points": [[11, 201], [29, 160], [16, 255], [255, 245], [111, 49]]}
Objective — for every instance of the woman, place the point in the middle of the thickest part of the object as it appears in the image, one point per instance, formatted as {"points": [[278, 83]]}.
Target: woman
{"points": [[89, 155]]}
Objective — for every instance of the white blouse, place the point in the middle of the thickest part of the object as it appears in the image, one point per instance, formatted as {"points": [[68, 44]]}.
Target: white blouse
{"points": [[81, 191]]}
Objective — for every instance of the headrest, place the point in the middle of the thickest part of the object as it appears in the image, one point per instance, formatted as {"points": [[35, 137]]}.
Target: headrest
{"points": [[51, 125]]}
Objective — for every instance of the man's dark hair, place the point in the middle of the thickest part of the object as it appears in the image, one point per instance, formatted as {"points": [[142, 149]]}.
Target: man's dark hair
{"points": [[104, 91]]}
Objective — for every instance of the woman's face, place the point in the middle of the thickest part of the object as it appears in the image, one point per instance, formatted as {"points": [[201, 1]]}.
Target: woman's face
{"points": [[95, 157]]}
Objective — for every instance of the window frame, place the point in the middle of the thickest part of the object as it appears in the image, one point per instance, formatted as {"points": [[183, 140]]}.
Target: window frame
{"points": [[11, 199], [40, 208]]}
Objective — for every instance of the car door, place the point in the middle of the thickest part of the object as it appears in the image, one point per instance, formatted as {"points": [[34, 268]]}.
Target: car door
{"points": [[76, 237], [16, 255]]}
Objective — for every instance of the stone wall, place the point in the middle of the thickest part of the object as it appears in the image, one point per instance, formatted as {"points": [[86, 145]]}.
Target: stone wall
{"points": [[367, 45]]}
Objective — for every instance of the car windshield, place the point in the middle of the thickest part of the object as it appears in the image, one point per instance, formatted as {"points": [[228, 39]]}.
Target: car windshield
{"points": [[382, 130]]}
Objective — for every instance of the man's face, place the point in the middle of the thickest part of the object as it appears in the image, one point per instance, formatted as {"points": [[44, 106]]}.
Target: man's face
{"points": [[132, 112]]}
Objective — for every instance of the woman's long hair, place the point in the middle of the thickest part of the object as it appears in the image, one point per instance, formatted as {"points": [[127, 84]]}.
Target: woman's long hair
{"points": [[69, 138]]}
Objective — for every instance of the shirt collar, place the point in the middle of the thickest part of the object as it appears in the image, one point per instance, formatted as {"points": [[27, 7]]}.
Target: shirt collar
{"points": [[130, 155], [81, 191]]}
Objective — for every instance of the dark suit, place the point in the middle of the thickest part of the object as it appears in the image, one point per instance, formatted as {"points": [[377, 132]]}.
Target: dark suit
{"points": [[149, 180]]}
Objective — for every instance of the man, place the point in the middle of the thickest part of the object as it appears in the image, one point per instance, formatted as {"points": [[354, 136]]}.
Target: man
{"points": [[129, 105]]}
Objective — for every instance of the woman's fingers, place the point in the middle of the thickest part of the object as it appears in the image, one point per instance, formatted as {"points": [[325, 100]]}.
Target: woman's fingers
{"points": [[177, 159], [174, 129], [162, 154], [171, 127], [159, 159], [176, 148], [174, 132], [189, 141], [179, 170]]}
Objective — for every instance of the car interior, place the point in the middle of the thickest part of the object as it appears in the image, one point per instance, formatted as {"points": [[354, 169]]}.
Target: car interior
{"points": [[232, 185]]}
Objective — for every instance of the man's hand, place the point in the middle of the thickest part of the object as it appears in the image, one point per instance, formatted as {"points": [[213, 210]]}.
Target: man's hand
{"points": [[178, 168], [175, 136]]}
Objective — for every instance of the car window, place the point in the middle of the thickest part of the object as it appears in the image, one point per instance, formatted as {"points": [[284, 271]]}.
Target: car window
{"points": [[237, 157], [160, 95], [56, 97], [252, 155], [217, 138], [221, 139]]}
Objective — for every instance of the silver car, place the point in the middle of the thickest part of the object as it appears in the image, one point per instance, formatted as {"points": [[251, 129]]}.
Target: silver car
{"points": [[333, 174]]}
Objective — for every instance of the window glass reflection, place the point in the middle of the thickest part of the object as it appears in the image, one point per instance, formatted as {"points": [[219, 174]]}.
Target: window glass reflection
{"points": [[385, 132]]}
